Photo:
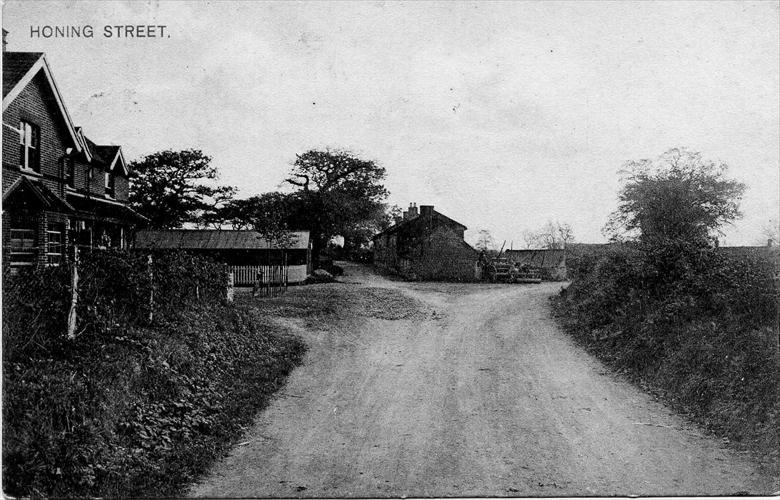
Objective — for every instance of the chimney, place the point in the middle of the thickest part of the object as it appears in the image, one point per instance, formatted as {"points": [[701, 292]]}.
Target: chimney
{"points": [[717, 242], [426, 210], [406, 215], [412, 210], [770, 242], [5, 42]]}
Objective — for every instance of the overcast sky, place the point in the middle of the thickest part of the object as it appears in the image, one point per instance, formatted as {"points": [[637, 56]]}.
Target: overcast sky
{"points": [[502, 115]]}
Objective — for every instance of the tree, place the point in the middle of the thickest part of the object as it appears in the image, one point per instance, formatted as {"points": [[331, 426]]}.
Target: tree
{"points": [[485, 242], [552, 235], [678, 197], [264, 210], [338, 194], [168, 187]]}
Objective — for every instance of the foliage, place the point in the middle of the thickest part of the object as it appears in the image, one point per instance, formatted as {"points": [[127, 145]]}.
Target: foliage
{"points": [[172, 188], [677, 197], [129, 408], [698, 327], [485, 241], [338, 194], [552, 235]]}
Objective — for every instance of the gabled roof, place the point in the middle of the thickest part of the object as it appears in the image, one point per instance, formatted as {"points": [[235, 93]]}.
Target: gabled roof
{"points": [[83, 141], [407, 222], [15, 67], [38, 191], [19, 68], [112, 157], [213, 239], [105, 155]]}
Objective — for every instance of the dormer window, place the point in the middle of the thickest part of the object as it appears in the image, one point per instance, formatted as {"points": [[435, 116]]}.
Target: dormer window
{"points": [[29, 146], [109, 183]]}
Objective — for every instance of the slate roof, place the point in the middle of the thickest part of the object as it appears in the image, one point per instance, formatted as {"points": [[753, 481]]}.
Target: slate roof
{"points": [[106, 154], [103, 209], [36, 190], [537, 258], [404, 223], [212, 239], [15, 66]]}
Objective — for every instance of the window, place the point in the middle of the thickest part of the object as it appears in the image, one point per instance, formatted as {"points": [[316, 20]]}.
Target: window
{"points": [[109, 182], [29, 146], [70, 172], [54, 244], [22, 250]]}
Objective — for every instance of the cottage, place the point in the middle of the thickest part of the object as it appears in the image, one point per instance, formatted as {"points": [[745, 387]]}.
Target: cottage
{"points": [[425, 245], [59, 188], [246, 253], [551, 263]]}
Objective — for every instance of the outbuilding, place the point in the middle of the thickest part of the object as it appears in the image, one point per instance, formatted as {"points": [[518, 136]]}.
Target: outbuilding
{"points": [[246, 253]]}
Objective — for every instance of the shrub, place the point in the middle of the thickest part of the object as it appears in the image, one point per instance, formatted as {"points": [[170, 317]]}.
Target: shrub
{"points": [[695, 323], [128, 408]]}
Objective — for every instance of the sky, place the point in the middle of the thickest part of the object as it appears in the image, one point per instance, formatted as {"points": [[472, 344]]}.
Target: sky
{"points": [[502, 115]]}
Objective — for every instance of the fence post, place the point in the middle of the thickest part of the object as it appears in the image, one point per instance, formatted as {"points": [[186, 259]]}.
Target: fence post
{"points": [[151, 288], [74, 294], [230, 282]]}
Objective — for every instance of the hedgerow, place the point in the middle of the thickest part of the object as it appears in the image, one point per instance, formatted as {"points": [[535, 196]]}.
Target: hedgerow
{"points": [[695, 323], [129, 407]]}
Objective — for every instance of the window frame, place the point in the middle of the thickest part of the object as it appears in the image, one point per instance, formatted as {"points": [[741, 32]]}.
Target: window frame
{"points": [[109, 183], [29, 146], [55, 250], [69, 167], [25, 252]]}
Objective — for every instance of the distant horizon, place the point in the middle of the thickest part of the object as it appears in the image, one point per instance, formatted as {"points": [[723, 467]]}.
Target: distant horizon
{"points": [[501, 115]]}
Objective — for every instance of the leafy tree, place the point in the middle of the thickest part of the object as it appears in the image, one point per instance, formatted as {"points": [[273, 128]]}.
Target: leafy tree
{"points": [[676, 198], [337, 194], [263, 210], [171, 188]]}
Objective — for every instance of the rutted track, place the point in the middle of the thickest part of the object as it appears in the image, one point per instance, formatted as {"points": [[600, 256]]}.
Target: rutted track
{"points": [[476, 394]]}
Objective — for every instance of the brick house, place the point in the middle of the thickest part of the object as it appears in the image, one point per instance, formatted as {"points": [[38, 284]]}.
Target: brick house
{"points": [[425, 245], [59, 188]]}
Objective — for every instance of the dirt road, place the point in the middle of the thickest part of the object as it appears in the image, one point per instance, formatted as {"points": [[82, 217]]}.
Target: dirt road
{"points": [[479, 394]]}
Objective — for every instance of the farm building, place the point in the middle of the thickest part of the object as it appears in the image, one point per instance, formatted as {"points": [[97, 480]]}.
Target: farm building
{"points": [[425, 245], [246, 253], [550, 262]]}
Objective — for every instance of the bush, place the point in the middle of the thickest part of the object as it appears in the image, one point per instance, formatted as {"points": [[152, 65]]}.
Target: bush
{"points": [[695, 323], [127, 407]]}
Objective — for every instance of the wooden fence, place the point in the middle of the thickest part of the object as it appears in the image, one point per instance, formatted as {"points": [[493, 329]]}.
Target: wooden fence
{"points": [[247, 275]]}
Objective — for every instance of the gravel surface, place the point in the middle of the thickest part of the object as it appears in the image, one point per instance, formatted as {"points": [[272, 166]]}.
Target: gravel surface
{"points": [[440, 389]]}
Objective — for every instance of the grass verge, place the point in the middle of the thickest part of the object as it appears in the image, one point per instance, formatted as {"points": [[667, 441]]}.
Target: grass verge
{"points": [[136, 411]]}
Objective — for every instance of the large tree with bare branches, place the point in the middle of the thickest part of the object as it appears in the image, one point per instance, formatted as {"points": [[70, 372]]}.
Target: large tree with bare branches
{"points": [[338, 194]]}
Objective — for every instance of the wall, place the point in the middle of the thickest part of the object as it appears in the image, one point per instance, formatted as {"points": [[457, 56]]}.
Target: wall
{"points": [[36, 104], [443, 256]]}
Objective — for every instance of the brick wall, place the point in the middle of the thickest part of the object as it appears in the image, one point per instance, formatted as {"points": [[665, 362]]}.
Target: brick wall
{"points": [[37, 105], [121, 188], [81, 170]]}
